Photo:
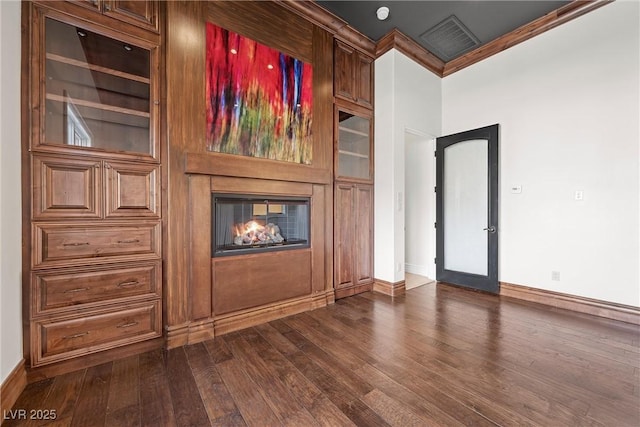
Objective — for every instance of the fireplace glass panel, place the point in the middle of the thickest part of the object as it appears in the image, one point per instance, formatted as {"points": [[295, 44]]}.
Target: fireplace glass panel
{"points": [[249, 224]]}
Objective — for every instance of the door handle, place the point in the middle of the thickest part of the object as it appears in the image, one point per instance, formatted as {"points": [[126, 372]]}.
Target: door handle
{"points": [[490, 229]]}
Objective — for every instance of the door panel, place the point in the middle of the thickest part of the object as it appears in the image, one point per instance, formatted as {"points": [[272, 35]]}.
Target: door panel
{"points": [[364, 230], [465, 206], [467, 209], [344, 235]]}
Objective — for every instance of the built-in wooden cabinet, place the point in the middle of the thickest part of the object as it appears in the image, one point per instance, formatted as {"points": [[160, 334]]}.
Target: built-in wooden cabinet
{"points": [[93, 231], [353, 75], [353, 240], [353, 170]]}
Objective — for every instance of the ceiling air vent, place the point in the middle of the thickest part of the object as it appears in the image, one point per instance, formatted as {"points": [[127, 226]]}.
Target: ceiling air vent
{"points": [[449, 39]]}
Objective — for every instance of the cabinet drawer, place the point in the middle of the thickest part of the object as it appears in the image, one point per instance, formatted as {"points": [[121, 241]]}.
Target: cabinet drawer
{"points": [[73, 287], [65, 244], [64, 338]]}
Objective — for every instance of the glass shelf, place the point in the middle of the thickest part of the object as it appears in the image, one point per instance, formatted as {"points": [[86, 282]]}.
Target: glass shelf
{"points": [[97, 91], [354, 146]]}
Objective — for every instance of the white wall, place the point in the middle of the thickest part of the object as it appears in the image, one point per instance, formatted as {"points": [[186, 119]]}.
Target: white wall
{"points": [[407, 96], [384, 232], [10, 207], [567, 102], [420, 202]]}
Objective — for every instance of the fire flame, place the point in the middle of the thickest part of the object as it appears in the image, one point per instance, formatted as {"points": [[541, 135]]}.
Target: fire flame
{"points": [[253, 232], [250, 228]]}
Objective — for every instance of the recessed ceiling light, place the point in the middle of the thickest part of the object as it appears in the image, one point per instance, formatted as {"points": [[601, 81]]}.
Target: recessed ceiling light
{"points": [[382, 13]]}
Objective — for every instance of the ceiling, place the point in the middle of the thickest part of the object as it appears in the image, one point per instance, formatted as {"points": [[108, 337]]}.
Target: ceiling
{"points": [[484, 20]]}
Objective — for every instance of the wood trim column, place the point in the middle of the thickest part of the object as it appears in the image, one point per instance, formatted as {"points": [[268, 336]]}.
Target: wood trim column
{"points": [[185, 58], [201, 304]]}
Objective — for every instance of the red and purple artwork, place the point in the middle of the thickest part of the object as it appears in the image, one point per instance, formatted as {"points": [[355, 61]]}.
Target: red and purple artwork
{"points": [[258, 99]]}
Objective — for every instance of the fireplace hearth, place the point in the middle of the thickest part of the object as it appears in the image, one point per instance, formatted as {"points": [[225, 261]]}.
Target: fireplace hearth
{"points": [[244, 224]]}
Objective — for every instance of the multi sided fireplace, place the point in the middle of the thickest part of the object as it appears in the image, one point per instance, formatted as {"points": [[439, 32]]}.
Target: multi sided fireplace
{"points": [[248, 224]]}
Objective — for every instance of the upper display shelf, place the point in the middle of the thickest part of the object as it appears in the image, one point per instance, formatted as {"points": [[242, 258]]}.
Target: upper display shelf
{"points": [[97, 91]]}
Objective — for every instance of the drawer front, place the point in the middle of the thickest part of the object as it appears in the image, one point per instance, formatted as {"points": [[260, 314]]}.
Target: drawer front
{"points": [[59, 289], [67, 338], [65, 244]]}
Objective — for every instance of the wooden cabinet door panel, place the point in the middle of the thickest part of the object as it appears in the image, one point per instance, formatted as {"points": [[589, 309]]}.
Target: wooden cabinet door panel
{"points": [[352, 75], [343, 77], [132, 190], [248, 281], [90, 4], [66, 188], [58, 289], [364, 80], [344, 236], [60, 339], [364, 234], [71, 244], [143, 13]]}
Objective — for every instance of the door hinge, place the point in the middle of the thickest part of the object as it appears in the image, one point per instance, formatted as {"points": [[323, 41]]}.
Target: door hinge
{"points": [[435, 225], [435, 154], [435, 260], [435, 189]]}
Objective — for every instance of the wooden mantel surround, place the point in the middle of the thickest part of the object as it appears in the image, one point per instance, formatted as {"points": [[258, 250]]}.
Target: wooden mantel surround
{"points": [[208, 296]]}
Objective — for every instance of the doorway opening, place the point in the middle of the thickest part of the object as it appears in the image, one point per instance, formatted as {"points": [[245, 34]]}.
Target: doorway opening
{"points": [[420, 208]]}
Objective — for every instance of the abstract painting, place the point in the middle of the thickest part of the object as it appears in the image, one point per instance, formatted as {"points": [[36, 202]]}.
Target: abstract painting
{"points": [[258, 99]]}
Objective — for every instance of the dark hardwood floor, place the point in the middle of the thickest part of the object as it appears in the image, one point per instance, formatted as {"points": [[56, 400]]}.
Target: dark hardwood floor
{"points": [[439, 355]]}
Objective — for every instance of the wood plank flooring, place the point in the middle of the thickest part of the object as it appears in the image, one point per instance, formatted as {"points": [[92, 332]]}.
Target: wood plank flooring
{"points": [[438, 355]]}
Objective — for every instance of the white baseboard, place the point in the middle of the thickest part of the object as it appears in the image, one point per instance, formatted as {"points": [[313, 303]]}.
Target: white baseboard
{"points": [[422, 270]]}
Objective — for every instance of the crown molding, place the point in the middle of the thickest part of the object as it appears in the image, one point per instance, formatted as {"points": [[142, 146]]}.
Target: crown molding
{"points": [[545, 23], [523, 33], [395, 39]]}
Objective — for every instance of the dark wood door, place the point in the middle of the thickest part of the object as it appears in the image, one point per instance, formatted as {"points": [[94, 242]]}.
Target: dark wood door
{"points": [[467, 209]]}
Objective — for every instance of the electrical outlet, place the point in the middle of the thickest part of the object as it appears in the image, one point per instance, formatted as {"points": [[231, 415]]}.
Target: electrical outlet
{"points": [[555, 275], [579, 195]]}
